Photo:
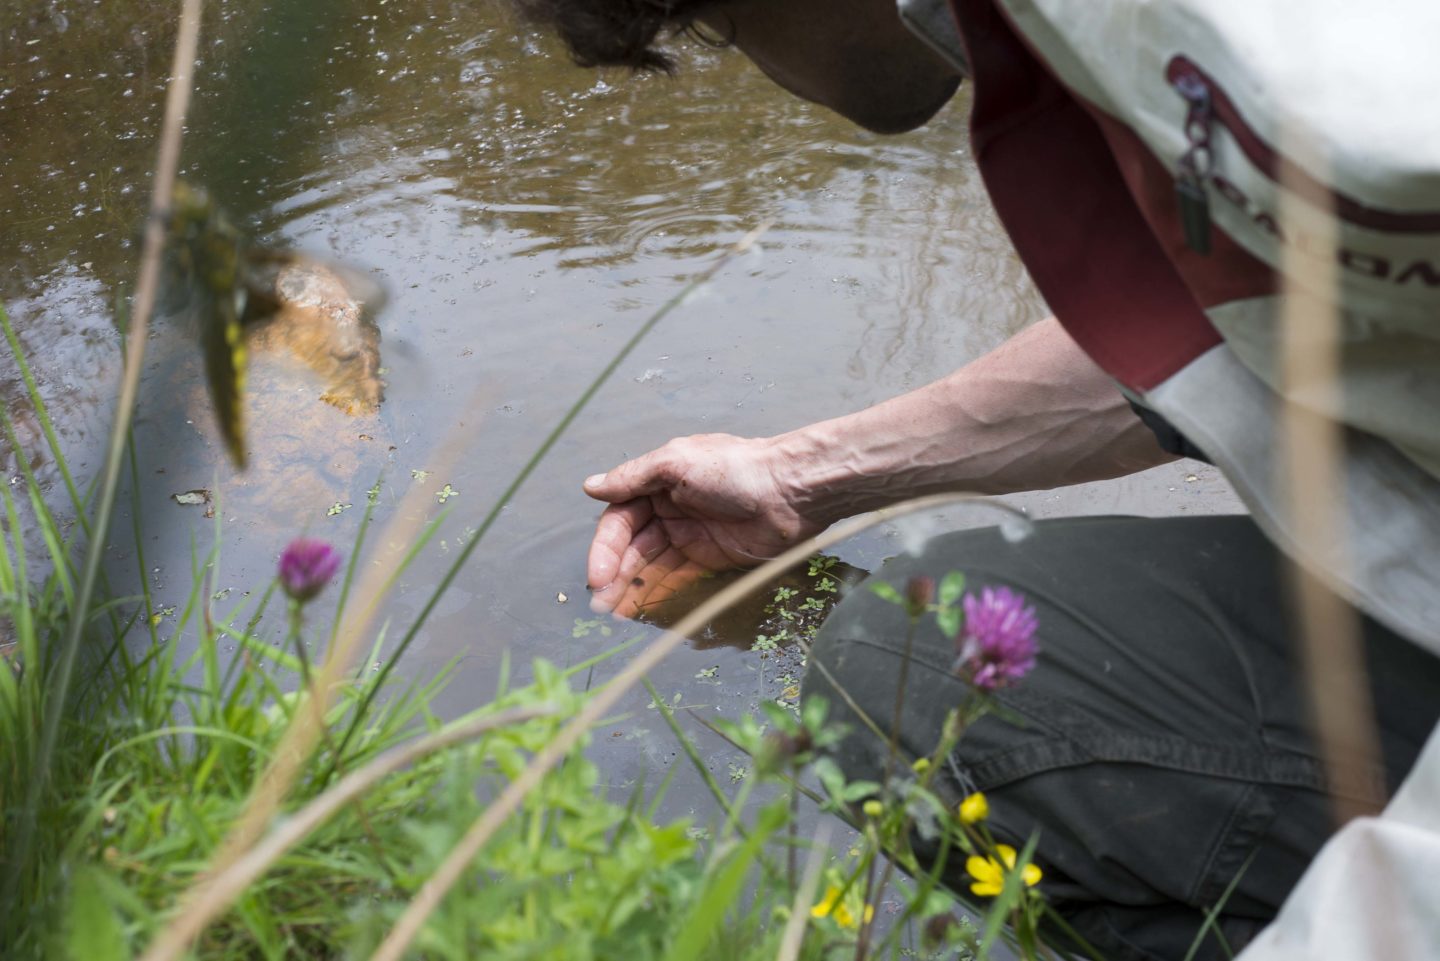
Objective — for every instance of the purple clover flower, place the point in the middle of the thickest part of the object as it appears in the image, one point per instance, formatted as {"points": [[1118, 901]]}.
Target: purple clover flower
{"points": [[996, 647], [306, 566]]}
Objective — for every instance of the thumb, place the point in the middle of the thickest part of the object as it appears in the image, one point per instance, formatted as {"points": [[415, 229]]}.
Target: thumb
{"points": [[644, 475]]}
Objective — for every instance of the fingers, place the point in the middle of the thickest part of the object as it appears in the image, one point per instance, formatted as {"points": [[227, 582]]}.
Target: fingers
{"points": [[662, 578], [639, 556], [614, 534], [645, 474]]}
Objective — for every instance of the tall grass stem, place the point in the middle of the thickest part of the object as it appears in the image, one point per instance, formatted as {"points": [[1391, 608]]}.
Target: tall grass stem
{"points": [[221, 890], [177, 101], [428, 898]]}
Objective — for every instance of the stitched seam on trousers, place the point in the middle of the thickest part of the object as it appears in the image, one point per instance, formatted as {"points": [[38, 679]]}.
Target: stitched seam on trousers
{"points": [[1265, 765], [1248, 821], [1261, 762], [1040, 757], [1046, 714]]}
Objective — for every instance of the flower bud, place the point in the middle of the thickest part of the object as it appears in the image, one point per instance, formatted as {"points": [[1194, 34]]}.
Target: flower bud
{"points": [[974, 808], [919, 594], [306, 566]]}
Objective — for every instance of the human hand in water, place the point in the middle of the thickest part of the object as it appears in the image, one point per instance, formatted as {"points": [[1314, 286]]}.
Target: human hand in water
{"points": [[695, 506]]}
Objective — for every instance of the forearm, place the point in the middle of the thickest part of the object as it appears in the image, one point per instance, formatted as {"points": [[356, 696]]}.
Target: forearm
{"points": [[1035, 413]]}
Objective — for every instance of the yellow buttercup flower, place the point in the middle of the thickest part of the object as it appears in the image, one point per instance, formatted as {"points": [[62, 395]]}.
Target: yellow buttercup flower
{"points": [[989, 874], [832, 906], [974, 808]]}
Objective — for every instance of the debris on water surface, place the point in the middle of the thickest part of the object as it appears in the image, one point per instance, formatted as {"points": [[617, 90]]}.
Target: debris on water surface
{"points": [[161, 614], [195, 497], [709, 672], [561, 597], [419, 475], [337, 508], [445, 493]]}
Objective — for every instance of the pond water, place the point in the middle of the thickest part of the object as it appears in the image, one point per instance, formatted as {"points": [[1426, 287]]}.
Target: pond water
{"points": [[524, 217]]}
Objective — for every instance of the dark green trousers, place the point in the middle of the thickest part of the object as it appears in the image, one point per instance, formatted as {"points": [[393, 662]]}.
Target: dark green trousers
{"points": [[1162, 741]]}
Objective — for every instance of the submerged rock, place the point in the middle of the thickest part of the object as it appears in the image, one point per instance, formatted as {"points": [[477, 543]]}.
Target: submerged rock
{"points": [[320, 321]]}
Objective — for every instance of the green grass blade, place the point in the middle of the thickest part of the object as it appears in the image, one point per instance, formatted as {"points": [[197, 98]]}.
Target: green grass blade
{"points": [[723, 886], [43, 416]]}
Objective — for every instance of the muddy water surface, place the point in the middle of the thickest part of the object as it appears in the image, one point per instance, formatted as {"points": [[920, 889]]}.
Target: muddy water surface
{"points": [[525, 217]]}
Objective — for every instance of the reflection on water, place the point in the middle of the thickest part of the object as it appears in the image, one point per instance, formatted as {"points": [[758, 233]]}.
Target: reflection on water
{"points": [[525, 216]]}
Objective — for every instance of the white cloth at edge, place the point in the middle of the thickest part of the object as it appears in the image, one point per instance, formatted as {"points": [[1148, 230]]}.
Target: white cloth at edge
{"points": [[1373, 893]]}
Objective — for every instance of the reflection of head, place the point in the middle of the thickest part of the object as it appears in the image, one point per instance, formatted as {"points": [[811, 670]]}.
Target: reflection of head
{"points": [[854, 56], [614, 33]]}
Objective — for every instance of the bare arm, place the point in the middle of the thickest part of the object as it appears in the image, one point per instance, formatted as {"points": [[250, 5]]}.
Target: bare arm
{"points": [[1034, 413]]}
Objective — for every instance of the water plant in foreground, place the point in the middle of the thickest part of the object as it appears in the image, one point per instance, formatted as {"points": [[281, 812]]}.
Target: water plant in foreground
{"points": [[176, 723]]}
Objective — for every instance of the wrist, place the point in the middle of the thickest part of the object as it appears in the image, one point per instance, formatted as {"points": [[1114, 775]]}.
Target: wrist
{"points": [[816, 473]]}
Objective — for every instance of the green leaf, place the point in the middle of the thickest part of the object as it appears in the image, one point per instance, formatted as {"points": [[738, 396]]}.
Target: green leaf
{"points": [[695, 933], [886, 592], [93, 931], [948, 619], [952, 585], [859, 790]]}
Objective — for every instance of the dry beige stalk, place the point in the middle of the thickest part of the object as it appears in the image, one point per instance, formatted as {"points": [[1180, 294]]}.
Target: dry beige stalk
{"points": [[428, 898], [1313, 481], [794, 934]]}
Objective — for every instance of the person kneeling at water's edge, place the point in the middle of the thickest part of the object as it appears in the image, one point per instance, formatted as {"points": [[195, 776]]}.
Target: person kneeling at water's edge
{"points": [[1163, 741]]}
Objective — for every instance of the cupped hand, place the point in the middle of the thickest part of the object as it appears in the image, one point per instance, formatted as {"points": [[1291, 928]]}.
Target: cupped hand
{"points": [[695, 506]]}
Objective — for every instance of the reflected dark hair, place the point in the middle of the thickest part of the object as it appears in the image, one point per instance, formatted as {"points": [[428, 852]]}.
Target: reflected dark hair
{"points": [[618, 33]]}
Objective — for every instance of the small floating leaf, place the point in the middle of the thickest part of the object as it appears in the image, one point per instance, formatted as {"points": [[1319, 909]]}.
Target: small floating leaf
{"points": [[709, 671], [445, 493], [337, 508], [419, 475]]}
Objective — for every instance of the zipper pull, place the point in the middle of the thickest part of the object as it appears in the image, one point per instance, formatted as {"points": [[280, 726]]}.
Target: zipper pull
{"points": [[1195, 164]]}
